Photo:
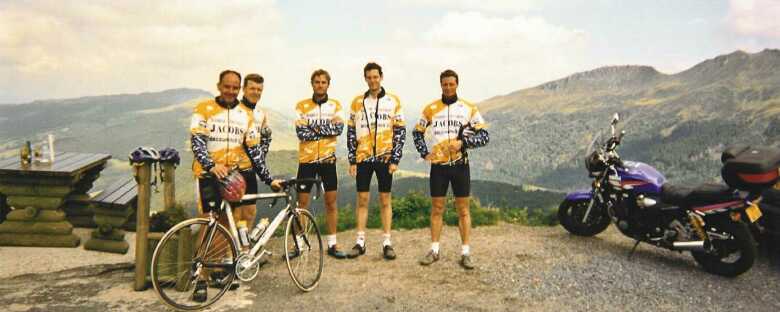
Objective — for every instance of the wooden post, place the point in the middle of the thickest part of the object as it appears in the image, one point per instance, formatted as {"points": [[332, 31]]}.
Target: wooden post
{"points": [[184, 256], [169, 185], [143, 176]]}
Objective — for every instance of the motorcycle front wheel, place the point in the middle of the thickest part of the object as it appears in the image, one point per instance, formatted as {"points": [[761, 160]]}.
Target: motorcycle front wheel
{"points": [[571, 213], [731, 255]]}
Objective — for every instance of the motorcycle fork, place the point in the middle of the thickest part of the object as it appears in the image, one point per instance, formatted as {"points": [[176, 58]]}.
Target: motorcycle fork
{"points": [[597, 196]]}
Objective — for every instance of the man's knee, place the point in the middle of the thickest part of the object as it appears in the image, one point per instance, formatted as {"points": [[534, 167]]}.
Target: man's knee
{"points": [[363, 198], [464, 213], [437, 206], [462, 205], [385, 199]]}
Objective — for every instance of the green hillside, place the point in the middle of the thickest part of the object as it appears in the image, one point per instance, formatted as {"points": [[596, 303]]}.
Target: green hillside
{"points": [[678, 123]]}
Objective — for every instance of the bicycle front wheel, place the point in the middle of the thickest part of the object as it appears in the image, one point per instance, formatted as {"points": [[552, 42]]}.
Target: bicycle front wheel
{"points": [[191, 258], [304, 253]]}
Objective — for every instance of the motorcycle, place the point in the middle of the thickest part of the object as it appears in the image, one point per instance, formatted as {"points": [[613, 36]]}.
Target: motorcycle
{"points": [[711, 220]]}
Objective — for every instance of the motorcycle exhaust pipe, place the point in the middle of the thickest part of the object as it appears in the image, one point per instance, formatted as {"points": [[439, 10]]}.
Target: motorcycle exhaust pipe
{"points": [[694, 245]]}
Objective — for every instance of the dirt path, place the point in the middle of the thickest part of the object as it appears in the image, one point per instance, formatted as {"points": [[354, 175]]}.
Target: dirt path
{"points": [[519, 268]]}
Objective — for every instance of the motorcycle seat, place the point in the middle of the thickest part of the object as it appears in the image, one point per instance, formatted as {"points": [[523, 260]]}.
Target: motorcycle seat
{"points": [[687, 196]]}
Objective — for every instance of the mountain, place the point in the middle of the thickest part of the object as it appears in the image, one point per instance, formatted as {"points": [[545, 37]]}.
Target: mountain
{"points": [[113, 123], [117, 124], [678, 123]]}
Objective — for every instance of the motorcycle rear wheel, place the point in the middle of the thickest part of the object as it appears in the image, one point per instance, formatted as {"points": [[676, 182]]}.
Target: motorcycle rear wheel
{"points": [[730, 257], [571, 212]]}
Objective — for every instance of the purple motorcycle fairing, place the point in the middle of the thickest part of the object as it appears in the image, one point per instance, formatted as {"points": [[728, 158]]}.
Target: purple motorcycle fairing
{"points": [[642, 177], [585, 194]]}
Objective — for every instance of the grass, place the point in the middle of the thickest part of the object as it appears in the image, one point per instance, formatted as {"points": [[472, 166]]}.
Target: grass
{"points": [[413, 211]]}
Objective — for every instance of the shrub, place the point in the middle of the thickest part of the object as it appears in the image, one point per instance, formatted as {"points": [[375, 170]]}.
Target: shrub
{"points": [[162, 221]]}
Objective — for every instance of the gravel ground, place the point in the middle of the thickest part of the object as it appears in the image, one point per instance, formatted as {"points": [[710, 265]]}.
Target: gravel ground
{"points": [[519, 268], [25, 260]]}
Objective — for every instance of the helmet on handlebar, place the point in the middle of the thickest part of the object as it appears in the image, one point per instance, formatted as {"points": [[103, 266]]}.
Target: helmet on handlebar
{"points": [[595, 162], [232, 187]]}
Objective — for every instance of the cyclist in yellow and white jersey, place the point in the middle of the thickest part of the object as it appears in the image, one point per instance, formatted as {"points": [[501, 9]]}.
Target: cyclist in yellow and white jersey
{"points": [[446, 129], [223, 138], [253, 91], [376, 133], [318, 125]]}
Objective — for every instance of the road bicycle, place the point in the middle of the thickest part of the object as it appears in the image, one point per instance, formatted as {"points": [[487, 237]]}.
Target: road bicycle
{"points": [[201, 251]]}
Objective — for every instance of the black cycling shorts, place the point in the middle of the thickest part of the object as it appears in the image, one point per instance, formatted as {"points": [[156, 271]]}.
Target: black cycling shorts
{"points": [[366, 169], [207, 191], [325, 172], [457, 175]]}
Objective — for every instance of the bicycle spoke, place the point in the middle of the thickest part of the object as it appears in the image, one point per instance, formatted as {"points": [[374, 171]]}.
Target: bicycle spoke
{"points": [[302, 235], [173, 277]]}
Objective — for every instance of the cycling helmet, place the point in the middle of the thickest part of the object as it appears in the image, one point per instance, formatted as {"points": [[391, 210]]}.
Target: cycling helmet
{"points": [[169, 155], [232, 187], [144, 154]]}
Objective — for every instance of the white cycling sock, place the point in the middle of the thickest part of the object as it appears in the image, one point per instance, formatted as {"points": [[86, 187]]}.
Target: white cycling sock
{"points": [[387, 241], [331, 240], [435, 247], [361, 239], [465, 250]]}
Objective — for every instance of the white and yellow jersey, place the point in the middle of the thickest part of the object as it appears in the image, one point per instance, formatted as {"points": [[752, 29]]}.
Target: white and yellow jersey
{"points": [[260, 116], [376, 128], [442, 123], [318, 125], [219, 133]]}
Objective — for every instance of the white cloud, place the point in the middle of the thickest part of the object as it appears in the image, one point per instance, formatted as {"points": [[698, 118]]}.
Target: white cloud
{"points": [[77, 48], [497, 55], [494, 6], [54, 50], [757, 18]]}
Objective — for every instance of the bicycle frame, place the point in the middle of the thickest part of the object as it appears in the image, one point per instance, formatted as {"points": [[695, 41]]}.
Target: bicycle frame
{"points": [[278, 219]]}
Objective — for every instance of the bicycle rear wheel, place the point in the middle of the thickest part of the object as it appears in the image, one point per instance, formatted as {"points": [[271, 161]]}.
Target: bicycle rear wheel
{"points": [[304, 252], [185, 262]]}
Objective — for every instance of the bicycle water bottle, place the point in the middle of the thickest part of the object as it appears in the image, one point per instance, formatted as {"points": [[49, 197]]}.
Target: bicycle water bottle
{"points": [[259, 229], [242, 235]]}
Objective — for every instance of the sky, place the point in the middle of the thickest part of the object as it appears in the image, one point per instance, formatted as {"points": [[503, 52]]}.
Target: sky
{"points": [[64, 49]]}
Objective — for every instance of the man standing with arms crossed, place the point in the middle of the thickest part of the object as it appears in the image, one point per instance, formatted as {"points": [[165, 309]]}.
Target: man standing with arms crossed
{"points": [[375, 138], [451, 125], [318, 125]]}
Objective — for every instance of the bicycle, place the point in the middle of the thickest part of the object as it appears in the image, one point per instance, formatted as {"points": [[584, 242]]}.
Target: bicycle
{"points": [[177, 269]]}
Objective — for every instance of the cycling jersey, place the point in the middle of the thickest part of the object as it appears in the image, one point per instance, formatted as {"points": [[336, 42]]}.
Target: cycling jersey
{"points": [[261, 127], [445, 120], [376, 130], [317, 125], [219, 131]]}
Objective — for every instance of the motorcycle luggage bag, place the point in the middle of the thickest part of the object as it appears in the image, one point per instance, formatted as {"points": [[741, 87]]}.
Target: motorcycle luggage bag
{"points": [[751, 169], [732, 151]]}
